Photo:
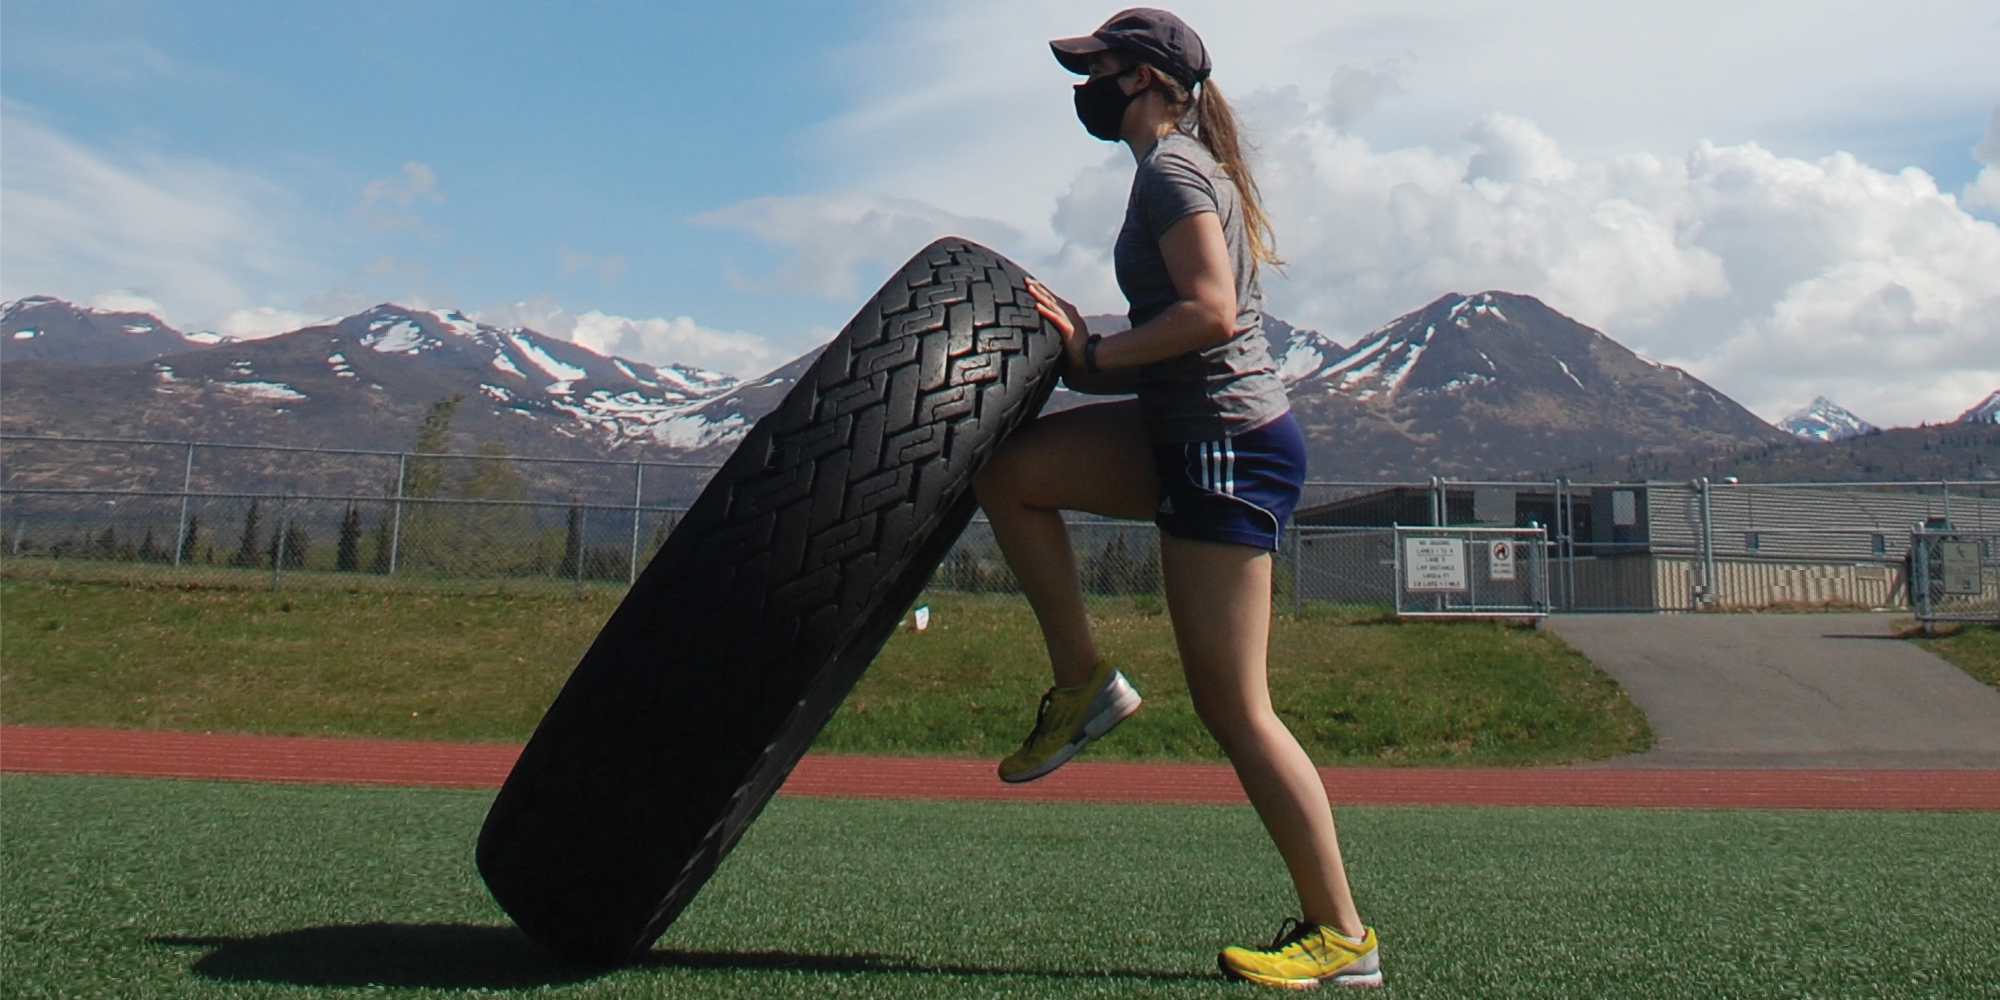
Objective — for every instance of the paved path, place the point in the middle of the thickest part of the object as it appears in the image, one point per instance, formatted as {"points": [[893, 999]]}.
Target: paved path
{"points": [[1804, 690], [48, 750]]}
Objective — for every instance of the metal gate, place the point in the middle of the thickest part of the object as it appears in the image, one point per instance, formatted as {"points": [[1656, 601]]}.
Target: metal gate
{"points": [[1471, 572]]}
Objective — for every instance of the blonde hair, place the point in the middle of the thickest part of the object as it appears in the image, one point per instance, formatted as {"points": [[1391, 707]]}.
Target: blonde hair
{"points": [[1206, 116]]}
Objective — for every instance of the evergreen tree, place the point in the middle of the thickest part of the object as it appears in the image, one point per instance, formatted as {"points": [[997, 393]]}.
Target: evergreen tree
{"points": [[106, 545], [246, 549], [188, 541], [347, 550], [297, 542], [150, 550]]}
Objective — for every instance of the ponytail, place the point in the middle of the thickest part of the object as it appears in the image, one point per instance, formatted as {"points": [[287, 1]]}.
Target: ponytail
{"points": [[1206, 116]]}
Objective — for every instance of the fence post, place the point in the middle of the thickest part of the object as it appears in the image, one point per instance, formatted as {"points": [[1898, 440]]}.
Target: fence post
{"points": [[638, 492], [1920, 579], [187, 483], [396, 527], [1437, 501], [1565, 544], [278, 550], [1709, 596]]}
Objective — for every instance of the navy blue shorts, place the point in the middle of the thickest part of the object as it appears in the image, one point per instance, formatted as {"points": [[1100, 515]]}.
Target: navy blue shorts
{"points": [[1239, 490]]}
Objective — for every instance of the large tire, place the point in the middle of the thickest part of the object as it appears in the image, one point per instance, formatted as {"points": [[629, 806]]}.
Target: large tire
{"points": [[763, 608]]}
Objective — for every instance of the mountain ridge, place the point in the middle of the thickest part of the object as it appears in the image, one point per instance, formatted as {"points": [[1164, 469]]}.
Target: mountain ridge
{"points": [[1491, 385]]}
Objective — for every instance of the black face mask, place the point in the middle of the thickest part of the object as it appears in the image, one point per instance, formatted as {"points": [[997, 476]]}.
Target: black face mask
{"points": [[1101, 104]]}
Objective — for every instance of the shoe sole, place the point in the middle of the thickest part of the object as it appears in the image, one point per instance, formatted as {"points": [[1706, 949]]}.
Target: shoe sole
{"points": [[1366, 979], [1113, 705]]}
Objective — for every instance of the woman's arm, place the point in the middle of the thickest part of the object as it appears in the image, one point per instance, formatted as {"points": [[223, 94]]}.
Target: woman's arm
{"points": [[1197, 259]]}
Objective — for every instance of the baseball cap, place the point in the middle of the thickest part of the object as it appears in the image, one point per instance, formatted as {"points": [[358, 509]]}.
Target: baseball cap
{"points": [[1154, 35]]}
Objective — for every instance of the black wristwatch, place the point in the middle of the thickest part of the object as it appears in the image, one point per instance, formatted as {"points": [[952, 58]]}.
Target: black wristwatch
{"points": [[1090, 351]]}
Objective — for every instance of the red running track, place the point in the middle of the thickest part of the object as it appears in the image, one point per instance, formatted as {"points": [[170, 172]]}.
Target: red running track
{"points": [[145, 753]]}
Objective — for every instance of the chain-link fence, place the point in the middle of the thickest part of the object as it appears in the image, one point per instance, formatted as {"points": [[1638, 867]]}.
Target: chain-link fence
{"points": [[293, 517], [1955, 576], [197, 512], [207, 512]]}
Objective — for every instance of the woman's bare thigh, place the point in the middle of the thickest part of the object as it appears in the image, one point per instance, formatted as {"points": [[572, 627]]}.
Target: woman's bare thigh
{"points": [[1093, 458]]}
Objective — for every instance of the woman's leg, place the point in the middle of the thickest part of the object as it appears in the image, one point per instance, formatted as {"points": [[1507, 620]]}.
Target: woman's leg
{"points": [[1219, 596], [1092, 458]]}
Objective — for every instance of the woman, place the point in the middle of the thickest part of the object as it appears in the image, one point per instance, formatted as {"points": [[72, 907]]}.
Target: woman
{"points": [[1209, 451]]}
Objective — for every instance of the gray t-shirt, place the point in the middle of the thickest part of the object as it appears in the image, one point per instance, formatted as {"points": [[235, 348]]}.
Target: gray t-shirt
{"points": [[1218, 391]]}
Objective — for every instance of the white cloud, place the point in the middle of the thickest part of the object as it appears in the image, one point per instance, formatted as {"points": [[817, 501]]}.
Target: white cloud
{"points": [[1984, 191], [656, 341], [386, 201], [125, 300], [200, 239], [264, 321], [833, 236], [1407, 151]]}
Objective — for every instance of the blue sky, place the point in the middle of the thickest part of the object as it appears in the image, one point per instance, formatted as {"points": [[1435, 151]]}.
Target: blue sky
{"points": [[1783, 197]]}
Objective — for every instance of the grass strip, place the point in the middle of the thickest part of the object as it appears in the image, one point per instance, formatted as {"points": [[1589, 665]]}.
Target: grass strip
{"points": [[1355, 684], [133, 888], [1975, 649]]}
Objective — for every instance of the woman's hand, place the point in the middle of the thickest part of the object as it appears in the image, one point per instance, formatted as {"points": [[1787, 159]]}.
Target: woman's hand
{"points": [[1065, 318]]}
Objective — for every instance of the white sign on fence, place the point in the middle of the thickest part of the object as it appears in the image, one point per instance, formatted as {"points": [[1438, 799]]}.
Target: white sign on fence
{"points": [[1961, 568], [1500, 561], [1434, 565]]}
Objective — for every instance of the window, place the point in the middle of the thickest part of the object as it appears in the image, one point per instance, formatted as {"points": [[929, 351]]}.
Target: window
{"points": [[1751, 541], [1624, 508], [1879, 544]]}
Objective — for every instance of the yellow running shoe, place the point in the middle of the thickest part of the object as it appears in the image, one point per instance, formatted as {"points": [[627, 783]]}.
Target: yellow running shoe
{"points": [[1305, 956], [1069, 718]]}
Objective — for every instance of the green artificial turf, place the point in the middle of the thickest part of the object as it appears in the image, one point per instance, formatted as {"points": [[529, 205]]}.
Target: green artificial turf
{"points": [[1974, 648], [1356, 685], [135, 888]]}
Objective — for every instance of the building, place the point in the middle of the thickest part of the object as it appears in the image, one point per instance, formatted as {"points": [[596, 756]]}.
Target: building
{"points": [[1667, 546]]}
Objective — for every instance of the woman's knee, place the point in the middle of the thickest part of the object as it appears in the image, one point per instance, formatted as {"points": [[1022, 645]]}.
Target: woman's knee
{"points": [[1233, 721]]}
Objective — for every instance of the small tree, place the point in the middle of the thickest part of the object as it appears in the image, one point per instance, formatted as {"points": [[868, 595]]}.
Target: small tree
{"points": [[572, 543], [347, 549], [106, 545], [423, 540], [188, 540], [150, 550], [246, 548], [297, 541]]}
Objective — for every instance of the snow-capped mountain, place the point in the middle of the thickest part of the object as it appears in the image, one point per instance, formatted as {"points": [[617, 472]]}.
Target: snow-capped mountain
{"points": [[1496, 384], [529, 373], [41, 328], [364, 380], [1825, 420], [1986, 411], [1488, 385]]}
